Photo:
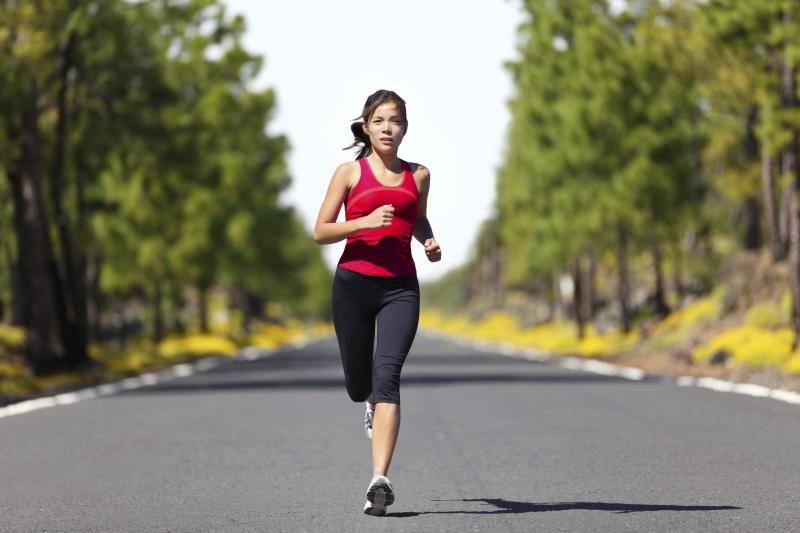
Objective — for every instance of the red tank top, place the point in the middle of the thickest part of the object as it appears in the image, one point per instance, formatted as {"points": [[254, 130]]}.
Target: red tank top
{"points": [[382, 251]]}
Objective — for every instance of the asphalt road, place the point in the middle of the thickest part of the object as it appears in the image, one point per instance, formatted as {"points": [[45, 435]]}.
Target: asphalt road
{"points": [[487, 443]]}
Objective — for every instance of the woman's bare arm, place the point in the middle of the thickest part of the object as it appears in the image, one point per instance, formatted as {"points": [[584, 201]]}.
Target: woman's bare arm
{"points": [[422, 228]]}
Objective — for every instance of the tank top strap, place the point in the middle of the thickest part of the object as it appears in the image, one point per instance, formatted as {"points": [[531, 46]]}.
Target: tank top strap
{"points": [[408, 178], [366, 179], [363, 181]]}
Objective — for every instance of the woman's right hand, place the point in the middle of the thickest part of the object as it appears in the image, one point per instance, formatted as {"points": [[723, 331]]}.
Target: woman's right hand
{"points": [[379, 218]]}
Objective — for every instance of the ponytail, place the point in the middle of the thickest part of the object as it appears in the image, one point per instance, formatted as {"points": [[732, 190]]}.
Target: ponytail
{"points": [[360, 139]]}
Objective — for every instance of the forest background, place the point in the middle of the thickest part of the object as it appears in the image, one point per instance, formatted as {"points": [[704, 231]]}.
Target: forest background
{"points": [[647, 201]]}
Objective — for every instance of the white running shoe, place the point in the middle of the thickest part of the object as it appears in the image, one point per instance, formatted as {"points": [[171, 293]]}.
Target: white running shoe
{"points": [[380, 494], [371, 509], [368, 416]]}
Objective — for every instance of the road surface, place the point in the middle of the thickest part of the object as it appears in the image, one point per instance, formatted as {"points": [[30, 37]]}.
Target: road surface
{"points": [[487, 443]]}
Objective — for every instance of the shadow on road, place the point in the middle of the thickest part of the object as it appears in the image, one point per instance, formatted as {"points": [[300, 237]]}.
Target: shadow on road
{"points": [[411, 380], [511, 507]]}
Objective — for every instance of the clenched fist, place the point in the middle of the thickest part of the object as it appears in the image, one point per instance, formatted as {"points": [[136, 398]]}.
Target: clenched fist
{"points": [[379, 218], [432, 250]]}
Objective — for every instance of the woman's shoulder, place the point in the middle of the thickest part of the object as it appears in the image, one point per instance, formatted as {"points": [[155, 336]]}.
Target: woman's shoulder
{"points": [[349, 172], [418, 169], [348, 167], [422, 176]]}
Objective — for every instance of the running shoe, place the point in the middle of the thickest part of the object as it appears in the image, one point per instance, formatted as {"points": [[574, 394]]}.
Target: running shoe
{"points": [[380, 494], [368, 416], [371, 509]]}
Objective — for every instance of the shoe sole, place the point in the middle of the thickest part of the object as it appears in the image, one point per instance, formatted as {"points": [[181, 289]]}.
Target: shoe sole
{"points": [[380, 494], [375, 511]]}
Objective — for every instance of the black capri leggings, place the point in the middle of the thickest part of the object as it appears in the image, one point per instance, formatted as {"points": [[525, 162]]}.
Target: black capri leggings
{"points": [[357, 301]]}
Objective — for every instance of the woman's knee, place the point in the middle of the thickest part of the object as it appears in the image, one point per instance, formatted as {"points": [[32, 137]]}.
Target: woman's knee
{"points": [[358, 393]]}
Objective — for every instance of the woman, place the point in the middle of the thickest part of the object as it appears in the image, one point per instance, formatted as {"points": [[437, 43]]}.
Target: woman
{"points": [[385, 205]]}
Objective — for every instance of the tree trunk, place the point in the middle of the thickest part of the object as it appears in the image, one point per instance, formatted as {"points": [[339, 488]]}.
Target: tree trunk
{"points": [[752, 224], [158, 317], [202, 309], [794, 253], [588, 286], [72, 303], [246, 315], [789, 101], [785, 205], [577, 298], [752, 218], [15, 317], [622, 265], [557, 303], [93, 298], [36, 303], [662, 309], [768, 193], [254, 308], [677, 273], [494, 266]]}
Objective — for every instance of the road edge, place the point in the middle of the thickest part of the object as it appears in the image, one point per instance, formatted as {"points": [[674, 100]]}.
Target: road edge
{"points": [[596, 366], [151, 378]]}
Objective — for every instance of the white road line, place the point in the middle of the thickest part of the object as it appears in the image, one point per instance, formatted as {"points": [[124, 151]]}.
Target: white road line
{"points": [[785, 396], [144, 380], [609, 369]]}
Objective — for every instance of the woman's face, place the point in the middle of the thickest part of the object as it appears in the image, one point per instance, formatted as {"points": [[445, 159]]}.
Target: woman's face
{"points": [[385, 128]]}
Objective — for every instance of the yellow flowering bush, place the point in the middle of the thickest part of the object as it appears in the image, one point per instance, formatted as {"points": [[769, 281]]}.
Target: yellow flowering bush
{"points": [[273, 335], [13, 377], [700, 311], [677, 325], [607, 344], [456, 325], [497, 327], [767, 315], [195, 344], [750, 345], [130, 360], [557, 337], [12, 337], [792, 366]]}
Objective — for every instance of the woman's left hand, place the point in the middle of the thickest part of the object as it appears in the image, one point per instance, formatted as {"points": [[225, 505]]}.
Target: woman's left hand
{"points": [[432, 250]]}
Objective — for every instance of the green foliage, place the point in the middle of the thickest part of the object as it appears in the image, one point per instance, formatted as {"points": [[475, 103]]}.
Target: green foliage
{"points": [[603, 133], [449, 293], [171, 180], [767, 315]]}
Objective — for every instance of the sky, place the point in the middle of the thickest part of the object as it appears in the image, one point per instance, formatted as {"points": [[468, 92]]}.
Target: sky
{"points": [[443, 57]]}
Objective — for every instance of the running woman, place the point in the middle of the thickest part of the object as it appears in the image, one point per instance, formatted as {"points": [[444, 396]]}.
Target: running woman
{"points": [[385, 202]]}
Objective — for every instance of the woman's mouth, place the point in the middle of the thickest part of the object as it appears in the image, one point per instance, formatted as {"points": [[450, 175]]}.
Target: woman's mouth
{"points": [[386, 140]]}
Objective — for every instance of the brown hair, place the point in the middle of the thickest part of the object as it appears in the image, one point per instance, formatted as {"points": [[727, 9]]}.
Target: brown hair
{"points": [[374, 100]]}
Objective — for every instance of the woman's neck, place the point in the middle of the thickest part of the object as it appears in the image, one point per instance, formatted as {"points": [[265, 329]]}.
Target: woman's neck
{"points": [[389, 162]]}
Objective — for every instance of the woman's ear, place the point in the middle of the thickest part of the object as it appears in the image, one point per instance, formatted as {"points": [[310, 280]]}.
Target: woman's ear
{"points": [[364, 128]]}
